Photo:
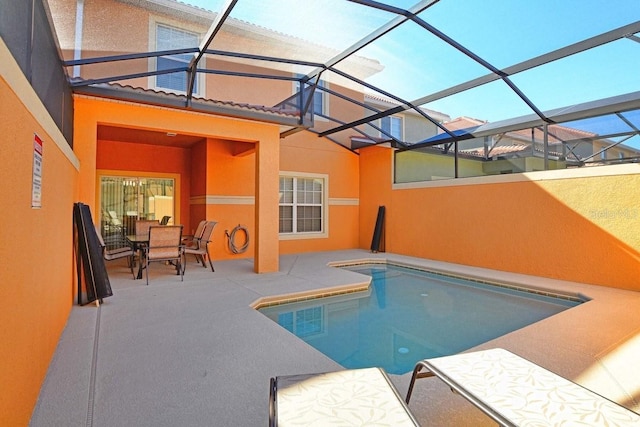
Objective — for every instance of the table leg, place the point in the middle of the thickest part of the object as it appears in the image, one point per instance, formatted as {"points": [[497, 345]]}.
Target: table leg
{"points": [[140, 252]]}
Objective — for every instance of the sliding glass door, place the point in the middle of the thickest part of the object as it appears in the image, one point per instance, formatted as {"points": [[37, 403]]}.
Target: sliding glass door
{"points": [[123, 200]]}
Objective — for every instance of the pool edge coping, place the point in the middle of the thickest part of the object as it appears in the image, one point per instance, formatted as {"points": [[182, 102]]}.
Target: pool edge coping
{"points": [[273, 300]]}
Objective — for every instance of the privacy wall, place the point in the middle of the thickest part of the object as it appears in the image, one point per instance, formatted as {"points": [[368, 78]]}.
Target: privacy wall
{"points": [[37, 242], [578, 225]]}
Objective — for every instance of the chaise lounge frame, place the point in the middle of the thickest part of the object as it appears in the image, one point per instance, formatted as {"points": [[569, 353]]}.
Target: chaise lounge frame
{"points": [[516, 392]]}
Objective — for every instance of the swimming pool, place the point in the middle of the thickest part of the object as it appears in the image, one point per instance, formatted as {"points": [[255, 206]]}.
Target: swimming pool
{"points": [[408, 314]]}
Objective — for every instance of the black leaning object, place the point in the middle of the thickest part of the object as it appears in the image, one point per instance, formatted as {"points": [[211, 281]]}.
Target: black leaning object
{"points": [[377, 243], [93, 281]]}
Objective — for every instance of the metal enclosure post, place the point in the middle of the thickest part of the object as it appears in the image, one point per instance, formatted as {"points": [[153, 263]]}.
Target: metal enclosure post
{"points": [[455, 145], [545, 130]]}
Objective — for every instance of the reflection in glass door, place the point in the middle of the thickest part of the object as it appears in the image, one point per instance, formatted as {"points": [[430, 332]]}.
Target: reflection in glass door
{"points": [[123, 200]]}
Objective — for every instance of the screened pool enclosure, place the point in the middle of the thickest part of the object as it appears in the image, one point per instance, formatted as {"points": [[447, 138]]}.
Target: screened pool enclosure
{"points": [[459, 88]]}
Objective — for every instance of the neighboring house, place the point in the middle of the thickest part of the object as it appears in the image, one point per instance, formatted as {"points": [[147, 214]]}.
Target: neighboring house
{"points": [[574, 146], [512, 151], [169, 25], [408, 127]]}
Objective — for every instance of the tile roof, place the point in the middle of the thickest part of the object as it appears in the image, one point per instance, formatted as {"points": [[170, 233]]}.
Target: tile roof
{"points": [[557, 133], [116, 89], [385, 102], [506, 150]]}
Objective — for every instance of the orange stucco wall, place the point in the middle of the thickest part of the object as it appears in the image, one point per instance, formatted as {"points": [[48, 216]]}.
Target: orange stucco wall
{"points": [[570, 226], [226, 193], [375, 191], [306, 153], [36, 254]]}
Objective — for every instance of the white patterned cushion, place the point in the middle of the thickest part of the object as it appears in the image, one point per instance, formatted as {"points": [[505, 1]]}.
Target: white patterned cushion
{"points": [[357, 397]]}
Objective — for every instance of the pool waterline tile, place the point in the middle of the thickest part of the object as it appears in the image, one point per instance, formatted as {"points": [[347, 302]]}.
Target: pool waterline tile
{"points": [[578, 298], [361, 287], [308, 296]]}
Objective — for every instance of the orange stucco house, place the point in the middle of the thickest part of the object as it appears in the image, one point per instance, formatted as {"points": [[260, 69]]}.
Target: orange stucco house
{"points": [[224, 166]]}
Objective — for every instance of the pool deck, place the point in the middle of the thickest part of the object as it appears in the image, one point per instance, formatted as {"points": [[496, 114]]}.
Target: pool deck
{"points": [[195, 353]]}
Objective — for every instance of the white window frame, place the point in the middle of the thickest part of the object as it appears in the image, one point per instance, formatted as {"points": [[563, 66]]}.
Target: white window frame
{"points": [[321, 93], [153, 62], [390, 131], [324, 233], [323, 99]]}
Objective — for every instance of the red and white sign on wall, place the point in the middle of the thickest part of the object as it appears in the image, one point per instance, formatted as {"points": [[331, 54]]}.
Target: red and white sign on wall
{"points": [[36, 183]]}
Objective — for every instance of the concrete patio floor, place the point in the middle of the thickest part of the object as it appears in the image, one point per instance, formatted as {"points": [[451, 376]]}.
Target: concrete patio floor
{"points": [[195, 353]]}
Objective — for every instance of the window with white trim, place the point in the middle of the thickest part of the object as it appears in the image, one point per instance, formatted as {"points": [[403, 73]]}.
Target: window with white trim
{"points": [[392, 125], [319, 104], [302, 202], [318, 100], [168, 38]]}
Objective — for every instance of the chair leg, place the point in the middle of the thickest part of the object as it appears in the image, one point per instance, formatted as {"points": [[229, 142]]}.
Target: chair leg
{"points": [[209, 258], [146, 261], [130, 260]]}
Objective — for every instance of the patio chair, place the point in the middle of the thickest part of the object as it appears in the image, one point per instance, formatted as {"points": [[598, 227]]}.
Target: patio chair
{"points": [[116, 253], [142, 226], [191, 240], [165, 220], [200, 247], [141, 231], [165, 244]]}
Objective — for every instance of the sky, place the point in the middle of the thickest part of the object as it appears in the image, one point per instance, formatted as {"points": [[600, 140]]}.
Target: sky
{"points": [[501, 32]]}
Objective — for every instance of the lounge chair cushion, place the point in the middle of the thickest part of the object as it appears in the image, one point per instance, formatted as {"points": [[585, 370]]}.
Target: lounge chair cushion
{"points": [[345, 398]]}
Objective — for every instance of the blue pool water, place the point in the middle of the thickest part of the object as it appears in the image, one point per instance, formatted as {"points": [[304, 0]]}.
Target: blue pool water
{"points": [[409, 315]]}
